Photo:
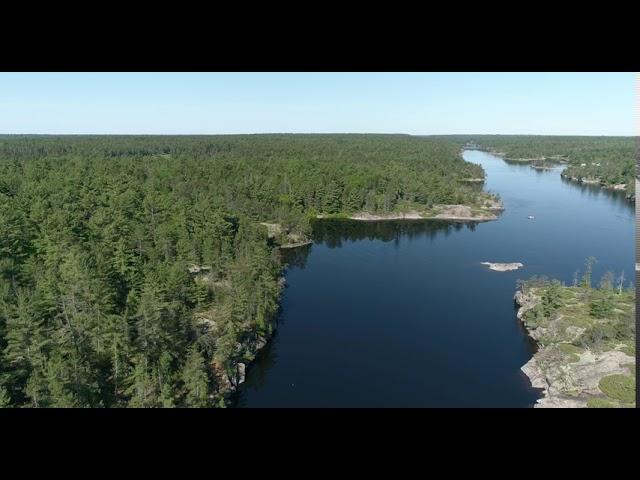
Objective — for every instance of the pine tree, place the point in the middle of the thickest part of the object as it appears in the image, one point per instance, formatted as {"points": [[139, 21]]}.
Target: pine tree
{"points": [[142, 389], [5, 400], [27, 336], [586, 277], [36, 389], [58, 383], [196, 381], [165, 380], [601, 303], [551, 298]]}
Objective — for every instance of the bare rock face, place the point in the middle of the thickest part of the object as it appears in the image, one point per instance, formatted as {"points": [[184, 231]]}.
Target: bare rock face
{"points": [[196, 269], [590, 181], [525, 301], [493, 204], [273, 229], [260, 343], [365, 216], [574, 332], [296, 244], [242, 368], [230, 382], [535, 374], [561, 402], [207, 320], [567, 383], [464, 212], [223, 381], [458, 211], [572, 384], [503, 267]]}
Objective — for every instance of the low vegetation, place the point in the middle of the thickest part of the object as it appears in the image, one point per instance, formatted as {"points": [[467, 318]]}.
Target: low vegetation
{"points": [[583, 331], [619, 387]]}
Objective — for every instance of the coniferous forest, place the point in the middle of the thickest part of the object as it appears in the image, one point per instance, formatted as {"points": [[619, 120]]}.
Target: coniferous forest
{"points": [[144, 271], [136, 270]]}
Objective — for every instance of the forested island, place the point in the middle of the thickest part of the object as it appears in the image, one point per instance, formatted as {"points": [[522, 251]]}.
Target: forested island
{"points": [[144, 271], [586, 337], [605, 161]]}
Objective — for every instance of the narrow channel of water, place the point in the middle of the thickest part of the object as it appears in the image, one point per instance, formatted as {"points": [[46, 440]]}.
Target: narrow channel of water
{"points": [[402, 314]]}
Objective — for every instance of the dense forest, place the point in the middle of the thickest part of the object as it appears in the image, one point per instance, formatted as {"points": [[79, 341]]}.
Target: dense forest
{"points": [[135, 270], [609, 160]]}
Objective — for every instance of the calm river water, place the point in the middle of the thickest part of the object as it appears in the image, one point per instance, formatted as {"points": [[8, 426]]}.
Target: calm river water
{"points": [[402, 314]]}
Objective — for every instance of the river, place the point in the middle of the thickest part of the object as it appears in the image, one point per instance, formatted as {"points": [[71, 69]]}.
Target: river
{"points": [[403, 314]]}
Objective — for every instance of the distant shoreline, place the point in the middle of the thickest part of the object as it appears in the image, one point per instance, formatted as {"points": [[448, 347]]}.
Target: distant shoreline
{"points": [[557, 160]]}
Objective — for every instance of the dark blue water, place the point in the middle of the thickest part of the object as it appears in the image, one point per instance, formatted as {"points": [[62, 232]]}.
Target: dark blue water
{"points": [[402, 314]]}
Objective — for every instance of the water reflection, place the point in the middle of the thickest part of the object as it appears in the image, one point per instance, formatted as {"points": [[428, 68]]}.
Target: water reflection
{"points": [[296, 257], [616, 198], [333, 233], [404, 314]]}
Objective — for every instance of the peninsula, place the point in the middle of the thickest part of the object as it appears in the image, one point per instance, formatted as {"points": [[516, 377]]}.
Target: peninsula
{"points": [[586, 341]]}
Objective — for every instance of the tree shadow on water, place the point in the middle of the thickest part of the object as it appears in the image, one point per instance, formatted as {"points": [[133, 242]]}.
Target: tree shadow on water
{"points": [[333, 233]]}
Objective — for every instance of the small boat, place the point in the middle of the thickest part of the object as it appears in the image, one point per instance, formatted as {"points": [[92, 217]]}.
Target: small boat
{"points": [[531, 217]]}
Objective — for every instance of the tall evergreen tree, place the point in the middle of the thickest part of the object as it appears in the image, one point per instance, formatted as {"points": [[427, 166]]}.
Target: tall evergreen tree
{"points": [[196, 381]]}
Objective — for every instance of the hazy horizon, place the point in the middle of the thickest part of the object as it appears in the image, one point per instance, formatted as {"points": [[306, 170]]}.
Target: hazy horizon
{"points": [[305, 133], [421, 104]]}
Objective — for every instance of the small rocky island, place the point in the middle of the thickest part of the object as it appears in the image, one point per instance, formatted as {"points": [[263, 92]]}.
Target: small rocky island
{"points": [[503, 267], [586, 340]]}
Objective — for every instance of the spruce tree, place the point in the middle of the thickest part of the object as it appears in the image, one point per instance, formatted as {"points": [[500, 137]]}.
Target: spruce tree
{"points": [[196, 380]]}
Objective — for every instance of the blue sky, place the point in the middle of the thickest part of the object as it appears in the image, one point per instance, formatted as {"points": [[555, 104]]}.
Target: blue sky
{"points": [[414, 103]]}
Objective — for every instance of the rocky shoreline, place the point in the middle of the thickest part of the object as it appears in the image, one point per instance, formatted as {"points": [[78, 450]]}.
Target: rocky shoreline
{"points": [[296, 244], [600, 183], [229, 379], [275, 232], [568, 376], [230, 383], [558, 160], [488, 211]]}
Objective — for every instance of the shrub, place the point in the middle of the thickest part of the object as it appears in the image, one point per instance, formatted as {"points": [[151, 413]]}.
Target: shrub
{"points": [[601, 304], [620, 387], [571, 351]]}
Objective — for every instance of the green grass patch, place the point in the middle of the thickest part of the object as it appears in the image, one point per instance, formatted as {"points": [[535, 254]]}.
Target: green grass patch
{"points": [[629, 350], [571, 351], [567, 294], [577, 315], [620, 387], [568, 348], [597, 402]]}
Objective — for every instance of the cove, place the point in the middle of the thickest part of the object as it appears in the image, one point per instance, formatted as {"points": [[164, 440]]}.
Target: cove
{"points": [[403, 313]]}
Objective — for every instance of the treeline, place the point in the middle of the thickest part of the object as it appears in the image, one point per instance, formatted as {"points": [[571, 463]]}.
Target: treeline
{"points": [[100, 301], [612, 160], [605, 311]]}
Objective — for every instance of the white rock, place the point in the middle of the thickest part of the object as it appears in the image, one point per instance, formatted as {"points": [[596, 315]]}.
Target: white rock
{"points": [[241, 372], [503, 267]]}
